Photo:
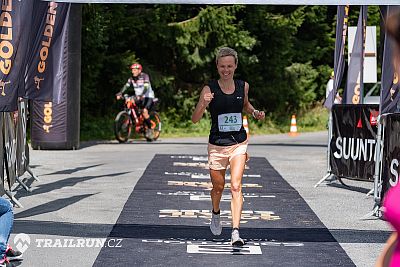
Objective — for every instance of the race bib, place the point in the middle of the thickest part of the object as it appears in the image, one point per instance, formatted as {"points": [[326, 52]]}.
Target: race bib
{"points": [[230, 122]]}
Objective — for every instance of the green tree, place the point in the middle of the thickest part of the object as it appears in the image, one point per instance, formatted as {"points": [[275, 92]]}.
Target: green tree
{"points": [[285, 53]]}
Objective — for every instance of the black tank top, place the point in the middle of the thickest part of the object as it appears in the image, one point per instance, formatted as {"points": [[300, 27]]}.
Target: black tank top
{"points": [[226, 115]]}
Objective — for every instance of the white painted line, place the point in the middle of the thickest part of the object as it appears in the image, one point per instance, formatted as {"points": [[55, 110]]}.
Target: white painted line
{"points": [[222, 242], [207, 176], [223, 249], [228, 177], [200, 176], [200, 159], [225, 197], [196, 164], [247, 215], [195, 158], [200, 195], [178, 173], [209, 184]]}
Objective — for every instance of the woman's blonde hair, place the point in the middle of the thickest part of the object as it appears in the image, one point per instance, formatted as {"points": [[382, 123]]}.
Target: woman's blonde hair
{"points": [[226, 51]]}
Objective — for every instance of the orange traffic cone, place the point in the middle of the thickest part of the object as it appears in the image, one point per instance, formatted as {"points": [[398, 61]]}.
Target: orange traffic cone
{"points": [[293, 126], [246, 125]]}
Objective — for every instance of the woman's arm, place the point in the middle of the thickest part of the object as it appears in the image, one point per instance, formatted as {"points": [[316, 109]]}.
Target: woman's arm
{"points": [[205, 98], [386, 254], [248, 107]]}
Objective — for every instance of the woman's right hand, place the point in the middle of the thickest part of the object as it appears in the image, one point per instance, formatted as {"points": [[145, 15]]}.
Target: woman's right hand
{"points": [[208, 97], [205, 98]]}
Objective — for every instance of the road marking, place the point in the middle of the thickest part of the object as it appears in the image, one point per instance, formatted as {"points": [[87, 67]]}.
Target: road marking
{"points": [[196, 164], [201, 196], [222, 241], [194, 158], [209, 184], [225, 197], [225, 214], [207, 176], [223, 249]]}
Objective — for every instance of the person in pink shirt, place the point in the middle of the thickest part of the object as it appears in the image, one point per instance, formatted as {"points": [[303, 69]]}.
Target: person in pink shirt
{"points": [[390, 255]]}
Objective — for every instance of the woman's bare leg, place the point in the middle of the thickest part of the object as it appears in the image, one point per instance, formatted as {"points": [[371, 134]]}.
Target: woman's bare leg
{"points": [[218, 182], [237, 168]]}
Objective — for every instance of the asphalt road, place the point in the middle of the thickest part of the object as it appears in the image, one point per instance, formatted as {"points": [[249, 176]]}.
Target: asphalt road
{"points": [[81, 193]]}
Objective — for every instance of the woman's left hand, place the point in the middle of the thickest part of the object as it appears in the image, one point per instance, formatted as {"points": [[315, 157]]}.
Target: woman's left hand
{"points": [[259, 115]]}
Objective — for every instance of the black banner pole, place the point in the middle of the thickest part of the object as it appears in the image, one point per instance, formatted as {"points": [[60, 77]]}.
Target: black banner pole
{"points": [[328, 154], [339, 61], [341, 33], [22, 160], [378, 163], [22, 144], [388, 104]]}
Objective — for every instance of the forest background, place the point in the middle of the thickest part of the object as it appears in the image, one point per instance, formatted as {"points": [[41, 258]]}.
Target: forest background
{"points": [[285, 53]]}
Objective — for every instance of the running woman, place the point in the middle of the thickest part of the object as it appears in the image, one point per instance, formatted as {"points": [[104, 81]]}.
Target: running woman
{"points": [[226, 98]]}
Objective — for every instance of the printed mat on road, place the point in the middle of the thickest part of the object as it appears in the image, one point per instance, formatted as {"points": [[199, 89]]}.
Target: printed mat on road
{"points": [[165, 221]]}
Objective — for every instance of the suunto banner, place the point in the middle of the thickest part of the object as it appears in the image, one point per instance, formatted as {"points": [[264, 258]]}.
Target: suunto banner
{"points": [[341, 32], [47, 66], [15, 19], [391, 153], [352, 147], [355, 81], [389, 99]]}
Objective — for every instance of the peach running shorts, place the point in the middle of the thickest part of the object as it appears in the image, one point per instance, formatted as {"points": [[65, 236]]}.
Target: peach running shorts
{"points": [[219, 157]]}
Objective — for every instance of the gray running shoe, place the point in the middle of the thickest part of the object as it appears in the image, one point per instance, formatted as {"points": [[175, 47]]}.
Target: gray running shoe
{"points": [[235, 239], [215, 224]]}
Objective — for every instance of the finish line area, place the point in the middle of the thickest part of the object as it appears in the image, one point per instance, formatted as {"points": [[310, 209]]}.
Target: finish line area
{"points": [[165, 221], [150, 204]]}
